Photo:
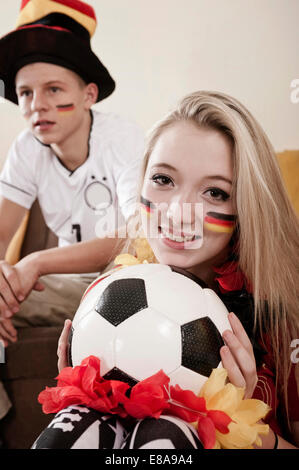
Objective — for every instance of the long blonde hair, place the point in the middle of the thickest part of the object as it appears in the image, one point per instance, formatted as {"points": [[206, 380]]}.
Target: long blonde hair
{"points": [[268, 229]]}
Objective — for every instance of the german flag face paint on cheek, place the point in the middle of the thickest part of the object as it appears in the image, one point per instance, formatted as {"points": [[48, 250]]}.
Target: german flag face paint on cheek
{"points": [[218, 222], [147, 207], [65, 109]]}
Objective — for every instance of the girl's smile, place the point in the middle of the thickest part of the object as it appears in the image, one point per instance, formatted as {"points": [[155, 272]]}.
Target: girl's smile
{"points": [[190, 168]]}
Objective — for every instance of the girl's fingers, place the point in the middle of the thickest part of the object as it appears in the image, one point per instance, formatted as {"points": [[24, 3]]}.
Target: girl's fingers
{"points": [[243, 360], [62, 349], [240, 332], [65, 332], [234, 374]]}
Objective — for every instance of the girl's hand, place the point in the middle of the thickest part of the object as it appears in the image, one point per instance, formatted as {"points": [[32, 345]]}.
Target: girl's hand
{"points": [[62, 349], [238, 358]]}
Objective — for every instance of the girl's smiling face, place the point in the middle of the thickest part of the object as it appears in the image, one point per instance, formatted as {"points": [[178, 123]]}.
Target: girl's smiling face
{"points": [[190, 168]]}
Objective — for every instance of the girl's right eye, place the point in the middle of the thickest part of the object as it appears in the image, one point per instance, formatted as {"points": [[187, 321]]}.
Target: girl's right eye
{"points": [[161, 180]]}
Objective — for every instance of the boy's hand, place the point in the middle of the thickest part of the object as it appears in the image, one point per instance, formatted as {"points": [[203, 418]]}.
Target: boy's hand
{"points": [[27, 270], [11, 292], [8, 334], [16, 283]]}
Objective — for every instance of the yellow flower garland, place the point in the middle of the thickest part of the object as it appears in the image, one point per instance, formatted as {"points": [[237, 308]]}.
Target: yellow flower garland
{"points": [[244, 430], [144, 254]]}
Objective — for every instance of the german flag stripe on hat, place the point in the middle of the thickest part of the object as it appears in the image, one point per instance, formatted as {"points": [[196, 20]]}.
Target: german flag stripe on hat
{"points": [[32, 10]]}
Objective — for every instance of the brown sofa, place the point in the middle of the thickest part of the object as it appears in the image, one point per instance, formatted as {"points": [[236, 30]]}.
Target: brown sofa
{"points": [[31, 363]]}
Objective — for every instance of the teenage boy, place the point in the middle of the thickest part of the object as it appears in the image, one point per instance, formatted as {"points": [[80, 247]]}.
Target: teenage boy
{"points": [[80, 164]]}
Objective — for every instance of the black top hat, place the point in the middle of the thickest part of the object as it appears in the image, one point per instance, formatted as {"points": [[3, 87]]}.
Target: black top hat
{"points": [[56, 32]]}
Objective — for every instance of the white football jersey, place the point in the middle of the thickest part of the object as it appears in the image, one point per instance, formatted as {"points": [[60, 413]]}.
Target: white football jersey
{"points": [[82, 204]]}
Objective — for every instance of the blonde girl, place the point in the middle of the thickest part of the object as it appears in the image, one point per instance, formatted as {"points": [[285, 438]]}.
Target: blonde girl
{"points": [[210, 150]]}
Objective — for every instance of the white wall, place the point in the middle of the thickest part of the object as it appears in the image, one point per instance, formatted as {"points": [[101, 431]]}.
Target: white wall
{"points": [[158, 51]]}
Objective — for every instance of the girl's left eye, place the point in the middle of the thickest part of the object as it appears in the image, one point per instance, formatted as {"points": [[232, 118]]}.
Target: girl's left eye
{"points": [[161, 180], [54, 89], [217, 194]]}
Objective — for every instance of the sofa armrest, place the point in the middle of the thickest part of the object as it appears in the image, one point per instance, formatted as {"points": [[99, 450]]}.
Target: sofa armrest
{"points": [[38, 236]]}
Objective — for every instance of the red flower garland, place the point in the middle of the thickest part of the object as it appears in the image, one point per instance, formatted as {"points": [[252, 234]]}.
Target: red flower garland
{"points": [[231, 277], [83, 385]]}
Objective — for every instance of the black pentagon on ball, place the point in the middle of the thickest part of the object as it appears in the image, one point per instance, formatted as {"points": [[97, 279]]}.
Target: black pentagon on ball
{"points": [[201, 342], [122, 299], [117, 374]]}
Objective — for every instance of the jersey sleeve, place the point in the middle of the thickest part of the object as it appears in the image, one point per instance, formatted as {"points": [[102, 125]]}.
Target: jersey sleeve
{"points": [[266, 391], [128, 169], [17, 177]]}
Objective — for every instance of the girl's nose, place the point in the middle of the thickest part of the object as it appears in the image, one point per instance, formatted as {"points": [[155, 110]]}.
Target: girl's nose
{"points": [[184, 211]]}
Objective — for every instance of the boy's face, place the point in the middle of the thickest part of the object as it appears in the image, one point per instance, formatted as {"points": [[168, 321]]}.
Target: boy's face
{"points": [[53, 101]]}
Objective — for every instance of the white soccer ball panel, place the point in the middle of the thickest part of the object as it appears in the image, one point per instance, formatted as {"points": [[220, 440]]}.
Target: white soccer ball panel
{"points": [[187, 379], [177, 296], [147, 342], [94, 336], [217, 311], [91, 296]]}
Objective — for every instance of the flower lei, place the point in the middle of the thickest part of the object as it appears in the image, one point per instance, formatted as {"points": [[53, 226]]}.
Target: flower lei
{"points": [[231, 278], [221, 415]]}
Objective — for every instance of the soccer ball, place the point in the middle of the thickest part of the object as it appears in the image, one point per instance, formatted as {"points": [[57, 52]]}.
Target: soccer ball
{"points": [[147, 317]]}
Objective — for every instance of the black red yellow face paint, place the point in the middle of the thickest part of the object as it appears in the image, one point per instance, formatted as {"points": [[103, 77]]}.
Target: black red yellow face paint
{"points": [[213, 221], [65, 109], [218, 222], [147, 206]]}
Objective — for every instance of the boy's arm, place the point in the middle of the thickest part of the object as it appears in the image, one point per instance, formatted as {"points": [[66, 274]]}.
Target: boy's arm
{"points": [[11, 216], [84, 257], [90, 256]]}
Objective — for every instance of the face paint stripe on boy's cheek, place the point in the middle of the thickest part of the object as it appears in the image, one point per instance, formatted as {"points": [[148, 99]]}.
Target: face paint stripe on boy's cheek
{"points": [[218, 222], [65, 108]]}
